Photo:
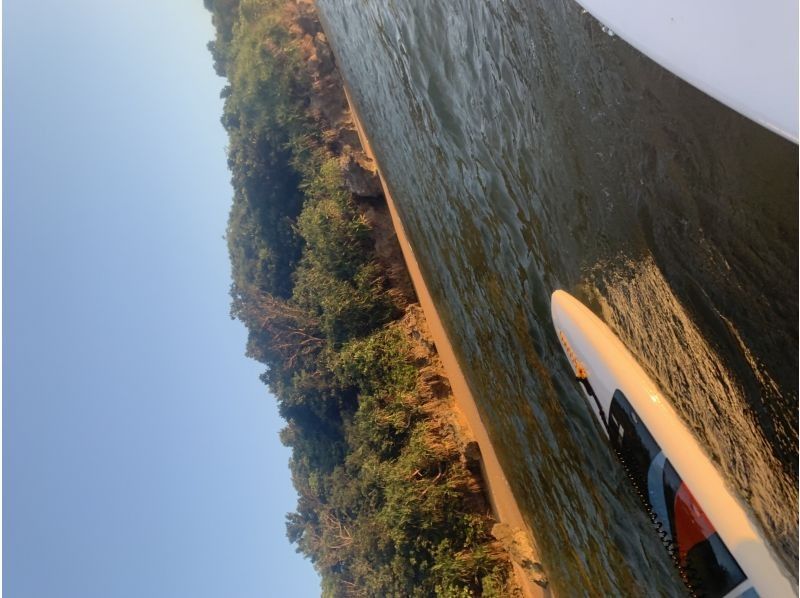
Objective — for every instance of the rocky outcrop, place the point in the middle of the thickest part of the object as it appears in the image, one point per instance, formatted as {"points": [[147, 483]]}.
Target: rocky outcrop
{"points": [[517, 546], [359, 181]]}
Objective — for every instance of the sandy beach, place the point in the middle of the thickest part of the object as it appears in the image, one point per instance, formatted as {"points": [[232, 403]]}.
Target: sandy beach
{"points": [[502, 500]]}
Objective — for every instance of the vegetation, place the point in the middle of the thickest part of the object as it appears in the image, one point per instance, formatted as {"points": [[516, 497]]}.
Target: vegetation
{"points": [[387, 505]]}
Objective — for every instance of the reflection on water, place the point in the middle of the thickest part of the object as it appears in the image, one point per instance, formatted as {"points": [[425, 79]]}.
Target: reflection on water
{"points": [[704, 392], [527, 151]]}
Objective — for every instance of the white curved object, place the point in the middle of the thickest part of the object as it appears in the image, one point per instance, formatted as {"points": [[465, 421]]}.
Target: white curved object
{"points": [[743, 53], [702, 518]]}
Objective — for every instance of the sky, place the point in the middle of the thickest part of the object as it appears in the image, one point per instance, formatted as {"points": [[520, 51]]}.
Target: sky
{"points": [[140, 450]]}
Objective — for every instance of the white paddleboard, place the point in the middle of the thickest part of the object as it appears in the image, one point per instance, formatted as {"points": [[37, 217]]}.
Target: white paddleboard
{"points": [[713, 540], [743, 53]]}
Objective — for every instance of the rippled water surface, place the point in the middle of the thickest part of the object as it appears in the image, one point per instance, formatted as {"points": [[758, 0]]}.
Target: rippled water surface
{"points": [[528, 151]]}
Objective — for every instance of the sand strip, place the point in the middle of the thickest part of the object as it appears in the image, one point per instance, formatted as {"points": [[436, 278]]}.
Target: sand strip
{"points": [[502, 500]]}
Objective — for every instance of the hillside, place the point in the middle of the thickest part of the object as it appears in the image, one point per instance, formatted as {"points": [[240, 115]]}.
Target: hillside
{"points": [[391, 498]]}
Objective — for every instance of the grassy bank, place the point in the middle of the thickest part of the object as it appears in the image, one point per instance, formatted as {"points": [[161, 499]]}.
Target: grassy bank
{"points": [[390, 501]]}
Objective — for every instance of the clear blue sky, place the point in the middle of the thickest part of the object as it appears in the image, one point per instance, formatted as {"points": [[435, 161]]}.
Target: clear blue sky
{"points": [[140, 450]]}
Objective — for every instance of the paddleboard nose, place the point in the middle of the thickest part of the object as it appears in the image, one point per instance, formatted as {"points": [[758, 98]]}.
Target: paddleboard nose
{"points": [[557, 304]]}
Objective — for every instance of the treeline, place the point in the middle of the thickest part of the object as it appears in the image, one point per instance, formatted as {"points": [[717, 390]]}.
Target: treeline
{"points": [[387, 504]]}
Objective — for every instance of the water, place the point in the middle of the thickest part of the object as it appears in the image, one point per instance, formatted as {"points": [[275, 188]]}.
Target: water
{"points": [[528, 150]]}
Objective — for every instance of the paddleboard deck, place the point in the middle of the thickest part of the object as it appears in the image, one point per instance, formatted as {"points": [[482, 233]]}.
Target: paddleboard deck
{"points": [[714, 543], [744, 54]]}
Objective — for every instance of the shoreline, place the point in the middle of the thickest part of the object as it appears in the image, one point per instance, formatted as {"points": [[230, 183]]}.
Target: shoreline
{"points": [[501, 499]]}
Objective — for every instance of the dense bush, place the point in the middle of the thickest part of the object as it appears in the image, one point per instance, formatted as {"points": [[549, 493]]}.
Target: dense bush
{"points": [[382, 506]]}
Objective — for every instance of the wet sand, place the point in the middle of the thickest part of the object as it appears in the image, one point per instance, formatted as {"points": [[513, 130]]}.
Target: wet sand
{"points": [[501, 498]]}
